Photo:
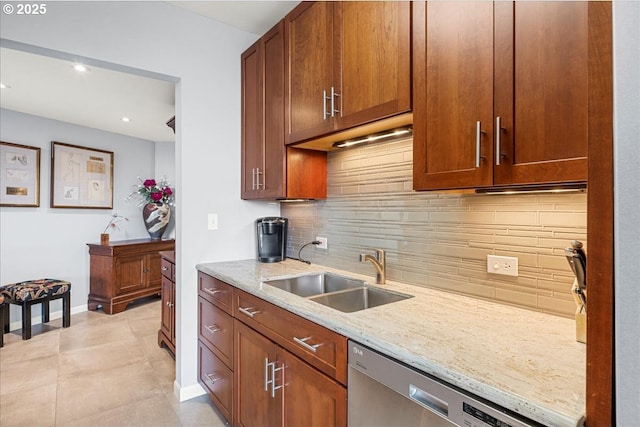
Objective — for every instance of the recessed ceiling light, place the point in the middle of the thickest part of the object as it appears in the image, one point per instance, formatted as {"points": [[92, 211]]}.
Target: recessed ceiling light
{"points": [[81, 68], [4, 86], [126, 119]]}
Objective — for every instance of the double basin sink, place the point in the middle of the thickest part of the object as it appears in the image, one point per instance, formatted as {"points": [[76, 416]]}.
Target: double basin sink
{"points": [[339, 292]]}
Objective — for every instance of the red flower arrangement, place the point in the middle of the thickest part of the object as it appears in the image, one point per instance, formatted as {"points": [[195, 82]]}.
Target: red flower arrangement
{"points": [[152, 191]]}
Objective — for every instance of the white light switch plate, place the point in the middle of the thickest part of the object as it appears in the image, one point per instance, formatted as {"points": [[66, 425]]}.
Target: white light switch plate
{"points": [[505, 265], [212, 224]]}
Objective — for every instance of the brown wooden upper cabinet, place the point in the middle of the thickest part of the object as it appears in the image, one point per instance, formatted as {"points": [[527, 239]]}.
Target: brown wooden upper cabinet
{"points": [[269, 169], [501, 93], [347, 63]]}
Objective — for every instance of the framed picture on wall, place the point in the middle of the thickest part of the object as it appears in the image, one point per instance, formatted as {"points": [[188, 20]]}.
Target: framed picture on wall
{"points": [[81, 177], [19, 175]]}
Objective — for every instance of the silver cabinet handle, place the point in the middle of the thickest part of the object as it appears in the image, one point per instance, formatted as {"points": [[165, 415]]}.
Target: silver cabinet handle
{"points": [[212, 377], [247, 312], [213, 328], [303, 343], [213, 291], [324, 105], [258, 173], [169, 304], [266, 373], [498, 131], [479, 131], [333, 103], [164, 268], [271, 366]]}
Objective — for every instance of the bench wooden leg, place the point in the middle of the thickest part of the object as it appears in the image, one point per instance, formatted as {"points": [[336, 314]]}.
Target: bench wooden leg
{"points": [[26, 320], [66, 310], [6, 322], [2, 323], [45, 311]]}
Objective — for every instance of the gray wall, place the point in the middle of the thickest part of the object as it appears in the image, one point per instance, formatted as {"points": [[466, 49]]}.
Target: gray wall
{"points": [[48, 242], [626, 39]]}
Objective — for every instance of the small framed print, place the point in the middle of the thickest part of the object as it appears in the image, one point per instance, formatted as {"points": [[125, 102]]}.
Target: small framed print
{"points": [[19, 175], [81, 177]]}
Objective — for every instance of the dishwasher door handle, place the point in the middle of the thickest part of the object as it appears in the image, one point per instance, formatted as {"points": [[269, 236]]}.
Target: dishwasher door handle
{"points": [[428, 401]]}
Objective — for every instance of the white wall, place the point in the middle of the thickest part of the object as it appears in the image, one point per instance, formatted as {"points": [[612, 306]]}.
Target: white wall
{"points": [[205, 56], [626, 40]]}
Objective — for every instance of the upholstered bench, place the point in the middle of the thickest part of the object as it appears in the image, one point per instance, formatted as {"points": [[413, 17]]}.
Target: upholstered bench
{"points": [[40, 291]]}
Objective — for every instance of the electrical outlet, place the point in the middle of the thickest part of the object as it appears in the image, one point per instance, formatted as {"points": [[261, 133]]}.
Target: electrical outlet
{"points": [[213, 222], [506, 265], [323, 242]]}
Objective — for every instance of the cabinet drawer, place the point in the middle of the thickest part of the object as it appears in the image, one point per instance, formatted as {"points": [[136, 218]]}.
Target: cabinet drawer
{"points": [[215, 291], [217, 380], [167, 269], [318, 346], [216, 330]]}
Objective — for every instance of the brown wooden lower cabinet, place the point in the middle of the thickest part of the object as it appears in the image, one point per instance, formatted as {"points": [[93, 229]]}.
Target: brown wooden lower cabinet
{"points": [[217, 380], [167, 332], [255, 373], [276, 388]]}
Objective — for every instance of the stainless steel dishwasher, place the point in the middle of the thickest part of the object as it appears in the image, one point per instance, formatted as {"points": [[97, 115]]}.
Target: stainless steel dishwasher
{"points": [[383, 392]]}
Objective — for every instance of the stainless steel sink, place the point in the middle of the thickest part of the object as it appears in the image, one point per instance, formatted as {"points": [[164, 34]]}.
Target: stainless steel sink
{"points": [[315, 284], [359, 299]]}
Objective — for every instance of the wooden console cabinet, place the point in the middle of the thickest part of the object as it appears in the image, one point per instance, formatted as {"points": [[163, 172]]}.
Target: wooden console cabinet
{"points": [[123, 271], [167, 331]]}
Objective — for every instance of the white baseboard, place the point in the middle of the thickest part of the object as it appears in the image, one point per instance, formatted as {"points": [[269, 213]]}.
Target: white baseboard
{"points": [[187, 393], [36, 320]]}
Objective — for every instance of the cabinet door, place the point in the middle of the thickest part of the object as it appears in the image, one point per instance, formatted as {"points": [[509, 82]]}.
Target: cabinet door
{"points": [[453, 92], [254, 404], [166, 324], [542, 91], [130, 274], [372, 60], [274, 150], [310, 398], [309, 70], [153, 270], [252, 119], [217, 379]]}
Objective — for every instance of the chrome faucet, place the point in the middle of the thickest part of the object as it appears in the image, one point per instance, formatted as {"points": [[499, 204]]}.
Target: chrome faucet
{"points": [[379, 262]]}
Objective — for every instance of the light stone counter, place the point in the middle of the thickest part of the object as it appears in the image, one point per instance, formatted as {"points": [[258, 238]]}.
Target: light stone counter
{"points": [[525, 361]]}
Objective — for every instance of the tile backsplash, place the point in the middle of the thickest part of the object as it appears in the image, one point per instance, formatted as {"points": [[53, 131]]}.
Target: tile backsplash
{"points": [[440, 240]]}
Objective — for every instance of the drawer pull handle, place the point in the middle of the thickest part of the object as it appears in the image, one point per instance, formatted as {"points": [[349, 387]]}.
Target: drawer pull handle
{"points": [[303, 343], [212, 377], [271, 366], [213, 328], [164, 268], [248, 312], [212, 291]]}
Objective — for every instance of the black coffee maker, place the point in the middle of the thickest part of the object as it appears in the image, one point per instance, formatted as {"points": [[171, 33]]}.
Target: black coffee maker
{"points": [[271, 236]]}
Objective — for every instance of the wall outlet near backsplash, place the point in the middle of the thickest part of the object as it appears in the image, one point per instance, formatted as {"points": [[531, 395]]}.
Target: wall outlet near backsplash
{"points": [[323, 243], [505, 265]]}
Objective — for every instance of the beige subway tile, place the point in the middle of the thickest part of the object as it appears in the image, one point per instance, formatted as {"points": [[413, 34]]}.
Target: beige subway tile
{"points": [[563, 219], [517, 297]]}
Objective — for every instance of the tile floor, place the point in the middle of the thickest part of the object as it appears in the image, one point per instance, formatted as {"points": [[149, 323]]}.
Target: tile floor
{"points": [[102, 371]]}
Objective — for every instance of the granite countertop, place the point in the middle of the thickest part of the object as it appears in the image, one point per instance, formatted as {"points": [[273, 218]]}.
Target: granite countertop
{"points": [[523, 360]]}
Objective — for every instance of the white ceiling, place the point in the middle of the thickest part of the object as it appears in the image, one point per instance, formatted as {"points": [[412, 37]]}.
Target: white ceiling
{"points": [[50, 87]]}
